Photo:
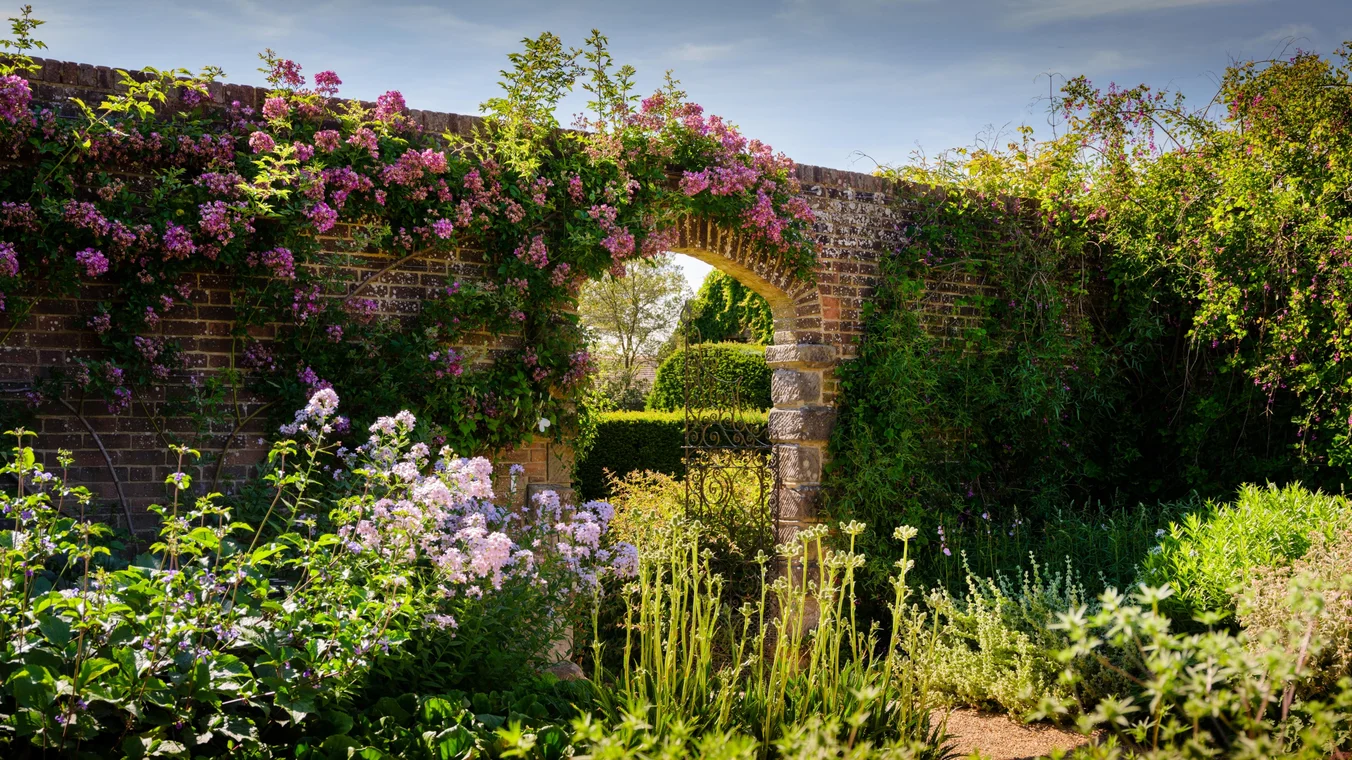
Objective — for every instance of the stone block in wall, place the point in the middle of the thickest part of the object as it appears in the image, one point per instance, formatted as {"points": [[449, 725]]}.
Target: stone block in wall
{"points": [[794, 387], [799, 502], [798, 464], [801, 356], [804, 425]]}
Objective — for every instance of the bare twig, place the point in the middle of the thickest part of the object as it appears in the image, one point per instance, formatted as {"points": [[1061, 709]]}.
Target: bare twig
{"points": [[225, 448], [367, 282], [112, 471]]}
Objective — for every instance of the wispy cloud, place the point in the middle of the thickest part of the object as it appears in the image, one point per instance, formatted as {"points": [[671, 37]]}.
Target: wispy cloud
{"points": [[1038, 12], [703, 53]]}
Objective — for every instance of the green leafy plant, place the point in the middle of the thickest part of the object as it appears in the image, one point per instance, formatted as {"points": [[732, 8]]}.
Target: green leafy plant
{"points": [[1207, 694], [1212, 554], [1321, 581]]}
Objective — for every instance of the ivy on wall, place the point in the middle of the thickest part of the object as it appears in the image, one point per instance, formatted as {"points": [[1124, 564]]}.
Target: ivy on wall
{"points": [[1165, 311], [156, 185]]}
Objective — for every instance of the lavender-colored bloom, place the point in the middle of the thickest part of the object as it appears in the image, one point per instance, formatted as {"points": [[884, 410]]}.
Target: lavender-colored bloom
{"points": [[15, 96], [94, 262], [262, 142]]}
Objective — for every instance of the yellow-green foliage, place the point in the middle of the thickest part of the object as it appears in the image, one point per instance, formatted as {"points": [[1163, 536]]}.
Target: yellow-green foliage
{"points": [[1214, 552]]}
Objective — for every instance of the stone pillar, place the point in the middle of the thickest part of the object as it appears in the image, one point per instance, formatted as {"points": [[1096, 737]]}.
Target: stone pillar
{"points": [[800, 426]]}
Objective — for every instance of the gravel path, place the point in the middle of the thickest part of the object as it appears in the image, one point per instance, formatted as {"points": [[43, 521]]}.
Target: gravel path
{"points": [[999, 738]]}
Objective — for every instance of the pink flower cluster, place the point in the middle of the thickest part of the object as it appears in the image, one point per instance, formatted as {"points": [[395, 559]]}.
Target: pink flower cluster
{"points": [[9, 260], [279, 262], [15, 96], [389, 107], [619, 241], [94, 262], [535, 254], [413, 165]]}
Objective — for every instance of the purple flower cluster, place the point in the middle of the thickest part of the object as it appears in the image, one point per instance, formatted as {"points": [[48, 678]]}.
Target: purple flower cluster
{"points": [[15, 97], [619, 241], [447, 363], [279, 262], [535, 254], [94, 262], [178, 243], [9, 260]]}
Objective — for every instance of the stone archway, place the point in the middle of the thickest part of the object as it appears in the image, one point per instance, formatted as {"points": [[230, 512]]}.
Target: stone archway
{"points": [[802, 419]]}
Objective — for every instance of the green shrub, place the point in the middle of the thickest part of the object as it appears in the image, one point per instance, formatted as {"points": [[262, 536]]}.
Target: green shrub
{"points": [[1106, 542], [1323, 580], [627, 442], [1213, 552], [730, 375], [1212, 694], [996, 647]]}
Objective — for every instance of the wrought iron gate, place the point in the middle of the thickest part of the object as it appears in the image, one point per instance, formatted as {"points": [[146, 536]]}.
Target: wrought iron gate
{"points": [[730, 472]]}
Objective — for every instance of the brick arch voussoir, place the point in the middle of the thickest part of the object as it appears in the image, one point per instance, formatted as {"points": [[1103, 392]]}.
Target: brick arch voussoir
{"points": [[796, 305]]}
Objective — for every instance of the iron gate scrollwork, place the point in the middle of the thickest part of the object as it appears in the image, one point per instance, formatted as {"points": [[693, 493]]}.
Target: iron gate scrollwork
{"points": [[730, 472]]}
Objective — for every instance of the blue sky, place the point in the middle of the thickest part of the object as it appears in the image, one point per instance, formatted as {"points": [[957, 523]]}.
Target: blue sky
{"points": [[838, 83]]}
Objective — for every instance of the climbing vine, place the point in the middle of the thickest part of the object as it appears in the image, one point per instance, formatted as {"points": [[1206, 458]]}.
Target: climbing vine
{"points": [[1153, 303], [136, 201]]}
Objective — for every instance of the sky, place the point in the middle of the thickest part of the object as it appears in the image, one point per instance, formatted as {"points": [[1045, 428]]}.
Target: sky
{"points": [[844, 83]]}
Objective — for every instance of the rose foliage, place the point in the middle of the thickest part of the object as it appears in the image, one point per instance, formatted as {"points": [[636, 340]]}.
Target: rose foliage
{"points": [[132, 201]]}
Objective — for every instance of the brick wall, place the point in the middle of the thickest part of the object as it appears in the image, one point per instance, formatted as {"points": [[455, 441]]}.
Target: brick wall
{"points": [[124, 457]]}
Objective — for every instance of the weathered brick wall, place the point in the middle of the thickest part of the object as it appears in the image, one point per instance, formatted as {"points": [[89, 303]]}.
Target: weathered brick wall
{"points": [[124, 457]]}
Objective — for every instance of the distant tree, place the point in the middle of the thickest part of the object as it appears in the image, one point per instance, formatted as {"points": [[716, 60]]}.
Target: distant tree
{"points": [[629, 318], [726, 310]]}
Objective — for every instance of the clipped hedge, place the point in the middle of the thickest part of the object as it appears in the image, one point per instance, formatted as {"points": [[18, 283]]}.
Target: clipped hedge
{"points": [[633, 441], [733, 372]]}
